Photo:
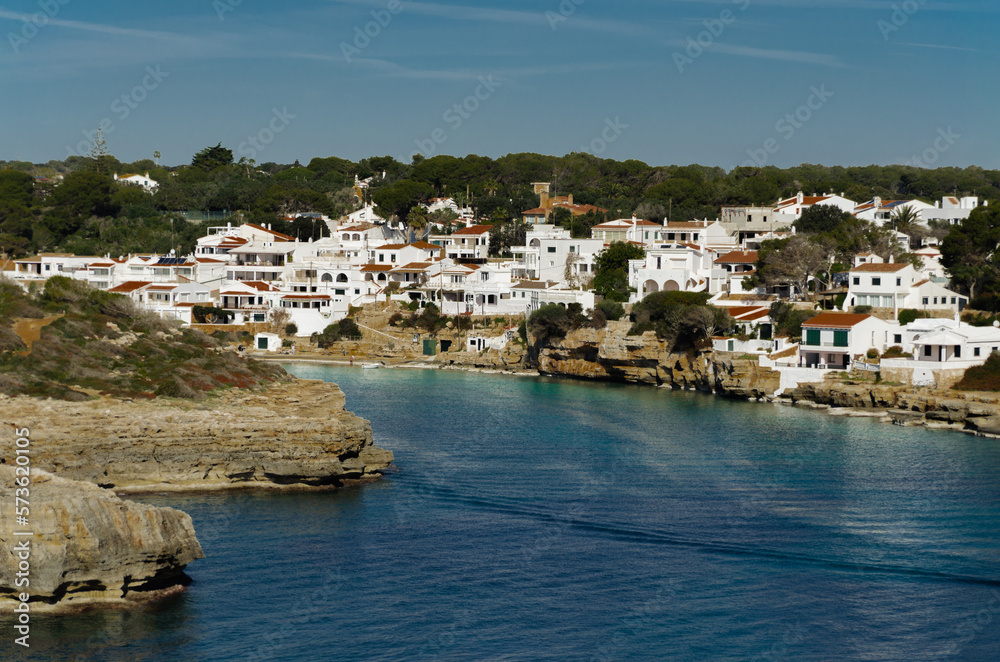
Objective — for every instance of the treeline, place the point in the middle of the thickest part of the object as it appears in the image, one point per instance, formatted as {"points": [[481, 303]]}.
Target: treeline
{"points": [[93, 215]]}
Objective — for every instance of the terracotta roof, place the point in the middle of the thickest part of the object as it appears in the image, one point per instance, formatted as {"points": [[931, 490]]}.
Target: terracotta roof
{"points": [[130, 286], [357, 228], [475, 229], [738, 257], [753, 317], [923, 282], [307, 296], [208, 259], [162, 288], [272, 232], [260, 285], [836, 320], [736, 311], [102, 264], [886, 267], [414, 266], [186, 304], [390, 247], [376, 267], [806, 200], [537, 211], [425, 245]]}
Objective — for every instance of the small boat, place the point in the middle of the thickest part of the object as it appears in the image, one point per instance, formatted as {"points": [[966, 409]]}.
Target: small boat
{"points": [[370, 366]]}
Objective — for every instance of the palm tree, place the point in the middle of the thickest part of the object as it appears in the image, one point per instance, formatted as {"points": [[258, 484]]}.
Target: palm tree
{"points": [[417, 219], [491, 186], [904, 218], [156, 157]]}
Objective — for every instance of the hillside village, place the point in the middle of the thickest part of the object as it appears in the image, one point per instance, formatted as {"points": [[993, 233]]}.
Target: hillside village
{"points": [[249, 275]]}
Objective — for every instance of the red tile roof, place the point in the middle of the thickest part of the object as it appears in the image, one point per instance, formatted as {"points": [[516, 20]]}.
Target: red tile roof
{"points": [[881, 267], [130, 286], [278, 235], [738, 257], [475, 229], [836, 320], [376, 267]]}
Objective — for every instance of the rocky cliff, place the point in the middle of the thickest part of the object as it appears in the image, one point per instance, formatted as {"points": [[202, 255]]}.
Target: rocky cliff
{"points": [[296, 434], [89, 547], [610, 353]]}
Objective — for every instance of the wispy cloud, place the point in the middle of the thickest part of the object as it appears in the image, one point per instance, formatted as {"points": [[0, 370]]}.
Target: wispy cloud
{"points": [[804, 57], [942, 46], [578, 20], [97, 27], [875, 5]]}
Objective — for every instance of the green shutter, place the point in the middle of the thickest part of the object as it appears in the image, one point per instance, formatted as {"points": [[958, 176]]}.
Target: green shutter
{"points": [[812, 337], [840, 338]]}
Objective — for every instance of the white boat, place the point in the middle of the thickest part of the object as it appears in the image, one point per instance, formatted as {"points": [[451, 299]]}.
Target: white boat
{"points": [[370, 366]]}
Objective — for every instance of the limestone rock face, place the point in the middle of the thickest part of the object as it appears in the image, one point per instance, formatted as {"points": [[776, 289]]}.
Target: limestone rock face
{"points": [[296, 434], [91, 548], [610, 353]]}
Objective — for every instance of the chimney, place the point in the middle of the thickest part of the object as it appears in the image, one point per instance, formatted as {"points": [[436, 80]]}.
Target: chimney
{"points": [[799, 198], [877, 201]]}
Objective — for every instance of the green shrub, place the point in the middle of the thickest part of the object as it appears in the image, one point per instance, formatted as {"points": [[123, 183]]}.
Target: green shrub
{"points": [[211, 315], [395, 319], [872, 353], [908, 315], [863, 310], [896, 352], [549, 322], [612, 310], [291, 329], [287, 343], [985, 377]]}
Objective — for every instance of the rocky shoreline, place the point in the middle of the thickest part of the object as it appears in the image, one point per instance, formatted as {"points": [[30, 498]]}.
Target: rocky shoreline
{"points": [[294, 435], [89, 547], [610, 354]]}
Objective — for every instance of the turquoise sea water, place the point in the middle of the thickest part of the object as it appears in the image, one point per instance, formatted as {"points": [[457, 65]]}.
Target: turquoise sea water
{"points": [[536, 519]]}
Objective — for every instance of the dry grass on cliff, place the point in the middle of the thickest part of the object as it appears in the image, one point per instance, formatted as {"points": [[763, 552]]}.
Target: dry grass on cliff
{"points": [[985, 377], [106, 343]]}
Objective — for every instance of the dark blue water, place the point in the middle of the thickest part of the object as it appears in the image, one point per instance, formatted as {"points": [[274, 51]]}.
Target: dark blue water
{"points": [[535, 519]]}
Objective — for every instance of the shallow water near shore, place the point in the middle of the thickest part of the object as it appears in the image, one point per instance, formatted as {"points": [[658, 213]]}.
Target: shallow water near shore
{"points": [[539, 519]]}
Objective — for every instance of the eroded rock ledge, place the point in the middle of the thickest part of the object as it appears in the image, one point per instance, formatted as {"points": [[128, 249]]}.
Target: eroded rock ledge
{"points": [[295, 434], [90, 548]]}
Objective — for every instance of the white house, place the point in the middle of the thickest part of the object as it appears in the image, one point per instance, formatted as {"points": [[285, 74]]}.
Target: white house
{"points": [[730, 270], [881, 212], [550, 253], [795, 206], [671, 267], [833, 340], [952, 210], [267, 342], [468, 243], [898, 286], [144, 181], [627, 229]]}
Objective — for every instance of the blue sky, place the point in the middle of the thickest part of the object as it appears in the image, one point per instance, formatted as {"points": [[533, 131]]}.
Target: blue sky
{"points": [[716, 82]]}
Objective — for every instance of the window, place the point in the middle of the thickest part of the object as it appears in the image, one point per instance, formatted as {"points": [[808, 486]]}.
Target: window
{"points": [[958, 351], [899, 281], [876, 281], [856, 280], [381, 257], [572, 249], [925, 300], [953, 301], [897, 338], [935, 300], [551, 249], [812, 337], [392, 257], [927, 350], [340, 292], [975, 352], [840, 338]]}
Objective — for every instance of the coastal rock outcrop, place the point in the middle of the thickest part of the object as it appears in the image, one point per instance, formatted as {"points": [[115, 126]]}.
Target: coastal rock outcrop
{"points": [[295, 434], [88, 547], [610, 353]]}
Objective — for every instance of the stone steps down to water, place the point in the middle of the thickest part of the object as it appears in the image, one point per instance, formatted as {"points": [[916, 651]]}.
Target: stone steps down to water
{"points": [[296, 434], [91, 548]]}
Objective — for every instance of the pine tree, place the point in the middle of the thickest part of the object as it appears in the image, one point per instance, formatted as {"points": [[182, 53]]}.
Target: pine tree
{"points": [[98, 150]]}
